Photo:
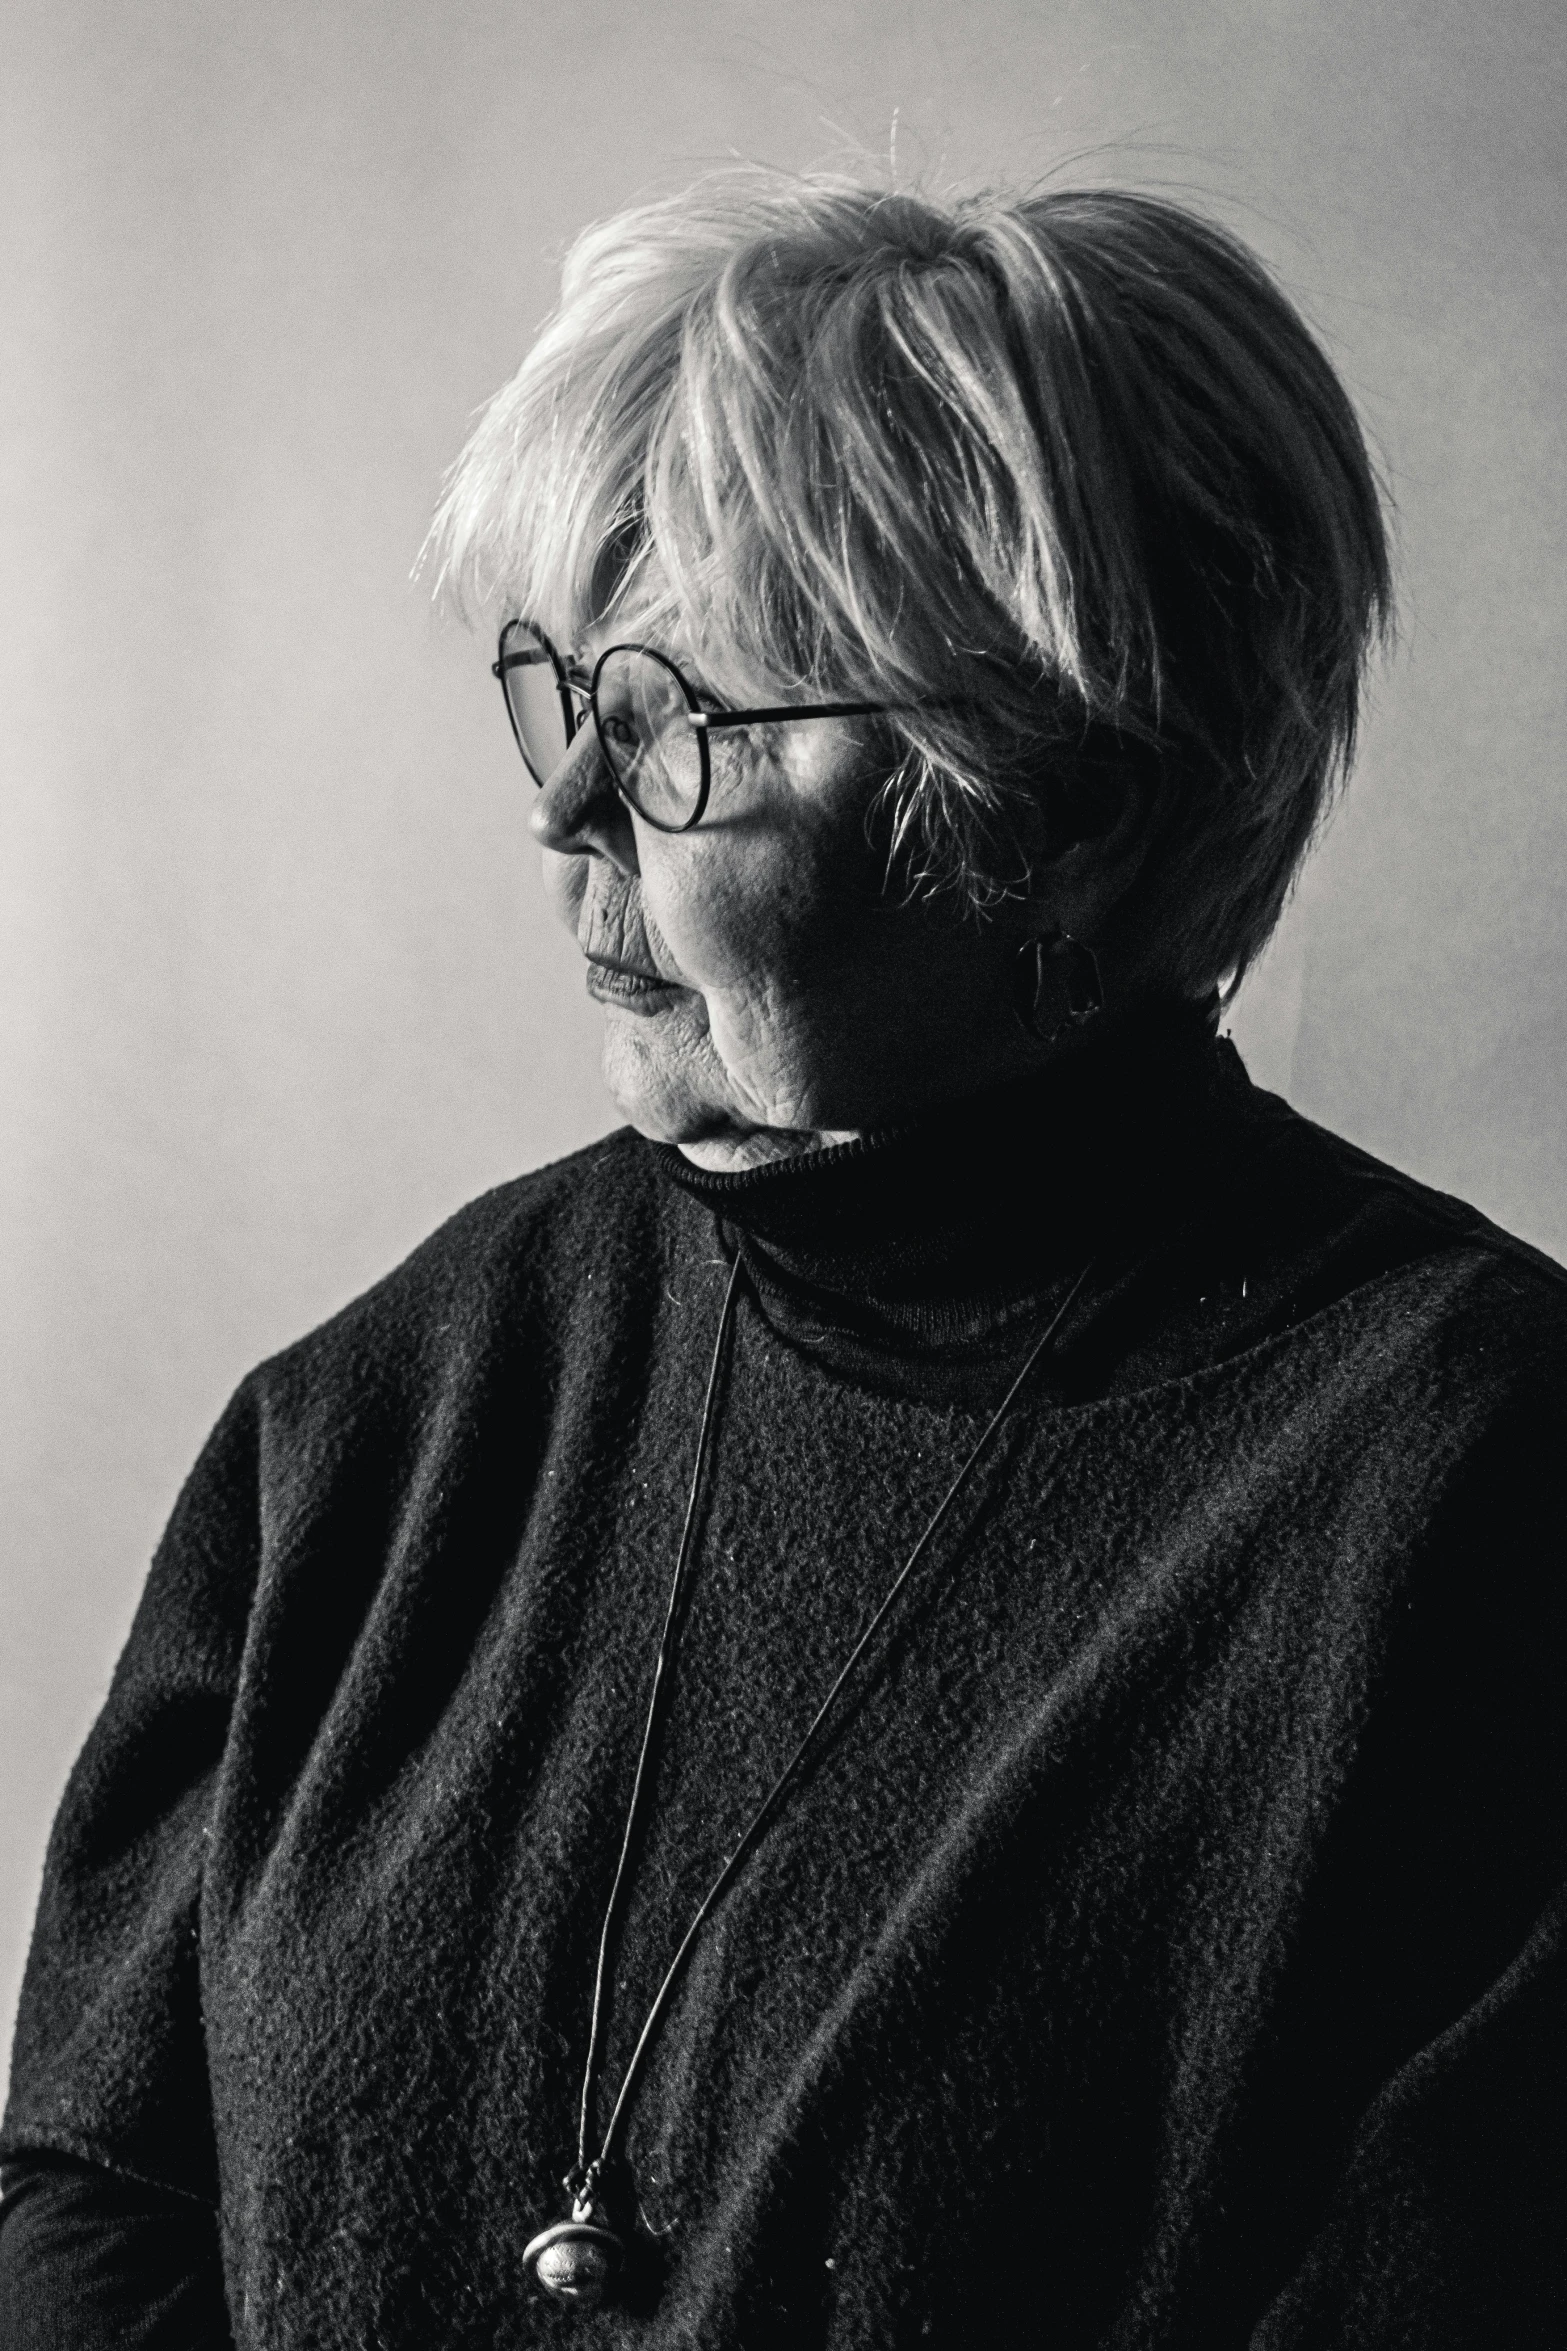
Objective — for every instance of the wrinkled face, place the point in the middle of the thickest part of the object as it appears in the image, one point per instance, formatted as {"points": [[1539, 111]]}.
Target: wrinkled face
{"points": [[761, 991]]}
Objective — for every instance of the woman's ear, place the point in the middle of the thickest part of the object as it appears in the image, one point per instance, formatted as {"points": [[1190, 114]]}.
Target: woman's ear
{"points": [[1097, 842]]}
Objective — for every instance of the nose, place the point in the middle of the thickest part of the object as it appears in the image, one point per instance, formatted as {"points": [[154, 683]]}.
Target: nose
{"points": [[579, 813]]}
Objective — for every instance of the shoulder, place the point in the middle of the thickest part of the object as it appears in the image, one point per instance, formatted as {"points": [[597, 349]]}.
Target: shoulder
{"points": [[444, 1378], [512, 1278], [1401, 1265]]}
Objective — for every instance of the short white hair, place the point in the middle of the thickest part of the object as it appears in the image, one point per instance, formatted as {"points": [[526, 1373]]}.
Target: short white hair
{"points": [[1065, 469]]}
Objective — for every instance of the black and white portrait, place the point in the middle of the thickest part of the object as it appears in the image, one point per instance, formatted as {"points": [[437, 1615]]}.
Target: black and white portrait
{"points": [[783, 1211]]}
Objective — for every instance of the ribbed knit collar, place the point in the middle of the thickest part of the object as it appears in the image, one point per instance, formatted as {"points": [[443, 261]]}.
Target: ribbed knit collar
{"points": [[935, 1232]]}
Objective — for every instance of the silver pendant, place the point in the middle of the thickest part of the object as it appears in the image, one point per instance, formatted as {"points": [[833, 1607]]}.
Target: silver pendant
{"points": [[578, 2259]]}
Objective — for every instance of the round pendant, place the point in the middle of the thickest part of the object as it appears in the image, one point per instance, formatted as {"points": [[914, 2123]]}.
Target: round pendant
{"points": [[576, 2261]]}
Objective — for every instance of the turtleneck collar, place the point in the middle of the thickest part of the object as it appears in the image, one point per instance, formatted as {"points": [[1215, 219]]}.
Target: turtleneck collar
{"points": [[939, 1233]]}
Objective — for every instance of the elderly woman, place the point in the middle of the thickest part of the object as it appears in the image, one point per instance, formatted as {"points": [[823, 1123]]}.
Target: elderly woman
{"points": [[914, 1702]]}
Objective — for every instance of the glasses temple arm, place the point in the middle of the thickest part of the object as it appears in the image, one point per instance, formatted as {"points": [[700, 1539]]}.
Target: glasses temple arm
{"points": [[709, 721]]}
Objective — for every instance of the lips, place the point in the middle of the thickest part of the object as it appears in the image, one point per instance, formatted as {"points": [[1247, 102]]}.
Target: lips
{"points": [[619, 983], [614, 935], [630, 971]]}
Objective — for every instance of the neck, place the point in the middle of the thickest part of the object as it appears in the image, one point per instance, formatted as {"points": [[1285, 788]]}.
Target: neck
{"points": [[937, 1230], [1101, 1046], [738, 1153]]}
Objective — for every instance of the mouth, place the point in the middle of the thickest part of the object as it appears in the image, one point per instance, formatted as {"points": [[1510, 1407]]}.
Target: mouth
{"points": [[622, 983]]}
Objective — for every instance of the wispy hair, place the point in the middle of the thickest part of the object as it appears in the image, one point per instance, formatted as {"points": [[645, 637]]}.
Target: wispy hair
{"points": [[1066, 472]]}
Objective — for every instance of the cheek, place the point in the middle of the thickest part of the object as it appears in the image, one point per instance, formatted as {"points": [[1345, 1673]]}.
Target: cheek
{"points": [[745, 913], [777, 892]]}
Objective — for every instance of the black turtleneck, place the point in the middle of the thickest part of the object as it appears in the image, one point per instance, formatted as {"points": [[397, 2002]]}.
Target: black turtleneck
{"points": [[919, 1257], [1162, 1949], [922, 1259]]}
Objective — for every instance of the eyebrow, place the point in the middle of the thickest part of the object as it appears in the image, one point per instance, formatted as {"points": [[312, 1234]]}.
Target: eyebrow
{"points": [[580, 672]]}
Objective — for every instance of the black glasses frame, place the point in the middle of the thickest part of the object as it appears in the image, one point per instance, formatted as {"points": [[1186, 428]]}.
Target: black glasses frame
{"points": [[703, 722]]}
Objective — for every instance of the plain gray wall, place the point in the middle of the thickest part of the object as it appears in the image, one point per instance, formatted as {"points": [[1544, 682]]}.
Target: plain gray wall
{"points": [[278, 988]]}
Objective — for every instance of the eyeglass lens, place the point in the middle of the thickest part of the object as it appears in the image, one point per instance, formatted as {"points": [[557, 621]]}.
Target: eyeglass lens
{"points": [[643, 715], [642, 707], [542, 715]]}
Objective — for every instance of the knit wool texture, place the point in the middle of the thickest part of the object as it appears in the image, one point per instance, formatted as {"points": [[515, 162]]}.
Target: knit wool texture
{"points": [[1164, 1947]]}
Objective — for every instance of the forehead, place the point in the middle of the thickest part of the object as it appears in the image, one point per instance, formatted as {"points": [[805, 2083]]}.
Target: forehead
{"points": [[641, 606], [672, 639]]}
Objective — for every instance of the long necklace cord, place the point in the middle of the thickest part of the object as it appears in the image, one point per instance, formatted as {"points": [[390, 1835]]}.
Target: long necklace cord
{"points": [[583, 2180], [580, 2180]]}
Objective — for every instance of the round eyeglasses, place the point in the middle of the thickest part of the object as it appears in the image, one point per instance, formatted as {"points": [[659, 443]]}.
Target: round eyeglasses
{"points": [[651, 728]]}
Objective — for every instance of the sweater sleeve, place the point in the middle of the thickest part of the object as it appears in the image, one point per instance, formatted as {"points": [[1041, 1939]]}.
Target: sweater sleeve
{"points": [[1449, 2230], [105, 2264], [1446, 2228], [109, 2066]]}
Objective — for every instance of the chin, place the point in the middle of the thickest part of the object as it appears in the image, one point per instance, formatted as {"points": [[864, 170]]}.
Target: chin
{"points": [[653, 1089], [668, 1083]]}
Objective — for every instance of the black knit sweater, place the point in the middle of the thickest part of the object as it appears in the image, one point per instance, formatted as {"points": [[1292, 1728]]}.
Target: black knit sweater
{"points": [[1164, 1949]]}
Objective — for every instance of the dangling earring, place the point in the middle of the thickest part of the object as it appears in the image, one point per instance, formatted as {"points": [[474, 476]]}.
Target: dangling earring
{"points": [[1058, 987]]}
